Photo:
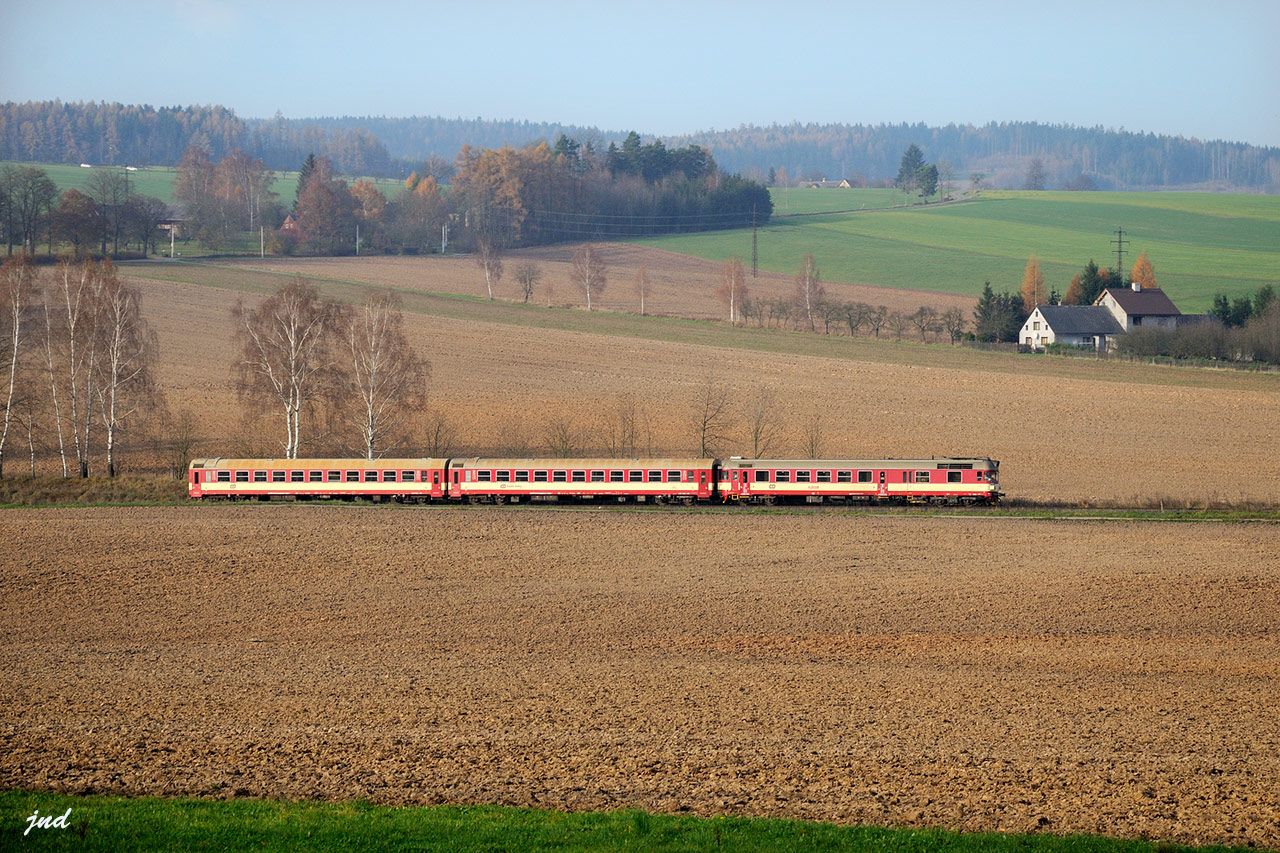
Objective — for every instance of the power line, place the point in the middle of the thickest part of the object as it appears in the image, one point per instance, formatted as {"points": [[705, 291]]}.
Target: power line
{"points": [[1120, 242]]}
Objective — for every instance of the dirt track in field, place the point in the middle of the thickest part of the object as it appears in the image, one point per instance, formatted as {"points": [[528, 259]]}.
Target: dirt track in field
{"points": [[980, 674]]}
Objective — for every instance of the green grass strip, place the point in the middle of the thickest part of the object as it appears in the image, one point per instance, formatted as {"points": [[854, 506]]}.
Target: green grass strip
{"points": [[114, 823]]}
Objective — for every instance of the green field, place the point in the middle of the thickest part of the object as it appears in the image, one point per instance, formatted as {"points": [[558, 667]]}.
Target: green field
{"points": [[1199, 243], [113, 823], [158, 181]]}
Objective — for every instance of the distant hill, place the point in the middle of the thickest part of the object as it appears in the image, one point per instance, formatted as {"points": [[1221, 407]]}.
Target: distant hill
{"points": [[1073, 157]]}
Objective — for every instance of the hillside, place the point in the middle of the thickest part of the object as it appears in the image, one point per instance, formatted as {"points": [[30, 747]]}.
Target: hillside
{"points": [[1200, 244]]}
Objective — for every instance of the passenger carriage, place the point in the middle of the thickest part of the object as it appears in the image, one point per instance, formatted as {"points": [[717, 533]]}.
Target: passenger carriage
{"points": [[639, 480], [859, 480], [382, 479]]}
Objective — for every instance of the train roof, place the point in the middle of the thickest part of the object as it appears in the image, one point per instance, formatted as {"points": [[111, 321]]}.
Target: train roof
{"points": [[275, 464], [481, 462], [934, 462]]}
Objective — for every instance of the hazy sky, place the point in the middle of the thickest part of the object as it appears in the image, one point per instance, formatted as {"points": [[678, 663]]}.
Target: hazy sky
{"points": [[1197, 68]]}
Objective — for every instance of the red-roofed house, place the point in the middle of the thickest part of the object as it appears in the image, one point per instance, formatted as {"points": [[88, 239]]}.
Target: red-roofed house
{"points": [[1136, 305]]}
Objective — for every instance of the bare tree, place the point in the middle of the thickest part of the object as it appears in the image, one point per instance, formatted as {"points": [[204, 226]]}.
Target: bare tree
{"points": [[712, 416], [831, 312], [489, 259], [809, 291], [733, 288], [855, 315], [126, 382], [73, 341], [562, 437], [385, 379], [622, 427], [763, 422], [284, 353], [589, 272], [17, 283], [437, 433], [54, 398], [876, 318], [953, 320], [643, 287], [925, 319], [527, 276], [898, 324], [813, 435]]}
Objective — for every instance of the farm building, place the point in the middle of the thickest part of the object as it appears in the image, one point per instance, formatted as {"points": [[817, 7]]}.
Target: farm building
{"points": [[1070, 325], [1136, 305], [824, 184]]}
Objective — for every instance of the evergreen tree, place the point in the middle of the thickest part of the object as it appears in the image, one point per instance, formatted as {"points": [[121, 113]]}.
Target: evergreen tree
{"points": [[927, 180], [909, 170], [304, 174], [1091, 283], [1263, 300]]}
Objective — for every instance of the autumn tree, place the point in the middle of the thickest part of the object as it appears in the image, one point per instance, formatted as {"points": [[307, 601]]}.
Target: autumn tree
{"points": [[1075, 291], [809, 291], [326, 213], [489, 259], [1033, 287], [643, 287], [733, 288], [284, 354], [383, 379], [712, 416], [126, 383], [17, 285], [589, 272], [413, 220], [1143, 273], [527, 276]]}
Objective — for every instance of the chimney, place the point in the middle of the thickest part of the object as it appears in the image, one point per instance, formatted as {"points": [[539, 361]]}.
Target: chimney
{"points": [[1137, 288]]}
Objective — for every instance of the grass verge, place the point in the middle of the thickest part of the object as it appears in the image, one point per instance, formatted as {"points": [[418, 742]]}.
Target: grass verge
{"points": [[114, 823], [131, 489]]}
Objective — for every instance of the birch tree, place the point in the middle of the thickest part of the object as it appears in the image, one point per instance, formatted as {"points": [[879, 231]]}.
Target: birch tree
{"points": [[489, 259], [809, 291], [17, 281], [589, 272], [733, 288], [72, 340], [128, 347], [643, 287], [385, 378], [285, 353]]}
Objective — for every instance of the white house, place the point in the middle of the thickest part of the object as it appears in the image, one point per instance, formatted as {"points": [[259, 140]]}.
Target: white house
{"points": [[1136, 305], [1070, 325]]}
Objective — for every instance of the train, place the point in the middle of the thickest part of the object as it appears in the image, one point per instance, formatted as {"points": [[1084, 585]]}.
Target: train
{"points": [[735, 480]]}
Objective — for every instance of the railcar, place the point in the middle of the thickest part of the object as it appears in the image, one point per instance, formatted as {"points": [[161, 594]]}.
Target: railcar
{"points": [[303, 479], [946, 480], [639, 480]]}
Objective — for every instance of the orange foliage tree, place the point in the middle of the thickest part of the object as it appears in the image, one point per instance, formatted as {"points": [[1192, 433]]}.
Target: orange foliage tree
{"points": [[1033, 287], [1143, 273]]}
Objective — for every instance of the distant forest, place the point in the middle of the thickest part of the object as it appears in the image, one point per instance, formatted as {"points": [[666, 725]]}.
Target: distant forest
{"points": [[1071, 157]]}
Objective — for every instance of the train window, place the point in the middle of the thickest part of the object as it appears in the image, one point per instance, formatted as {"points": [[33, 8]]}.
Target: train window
{"points": [[655, 476], [259, 476], [845, 476], [673, 476], [597, 476], [981, 476], [541, 476], [314, 476], [782, 476], [388, 476], [802, 476], [502, 476], [922, 476], [559, 476], [762, 476], [864, 476], [615, 476], [277, 476], [953, 476], [483, 476], [579, 476], [408, 476], [224, 476], [636, 476], [242, 476], [296, 476], [334, 477], [353, 476], [824, 476], [522, 476]]}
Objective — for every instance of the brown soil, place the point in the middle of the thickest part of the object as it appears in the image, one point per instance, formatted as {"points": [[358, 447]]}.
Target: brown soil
{"points": [[982, 674]]}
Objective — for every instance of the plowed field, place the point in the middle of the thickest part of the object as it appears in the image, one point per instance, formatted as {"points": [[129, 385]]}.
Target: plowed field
{"points": [[1121, 678]]}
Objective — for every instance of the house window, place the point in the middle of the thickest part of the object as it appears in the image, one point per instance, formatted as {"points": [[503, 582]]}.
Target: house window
{"points": [[1028, 340], [1035, 327], [1137, 321]]}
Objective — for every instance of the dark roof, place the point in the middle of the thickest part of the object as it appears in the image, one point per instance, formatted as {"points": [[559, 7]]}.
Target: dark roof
{"points": [[1150, 301], [1079, 320]]}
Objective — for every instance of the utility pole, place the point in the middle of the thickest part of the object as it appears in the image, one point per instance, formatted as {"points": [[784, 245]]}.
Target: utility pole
{"points": [[1120, 242], [444, 237], [262, 241], [755, 254], [357, 238], [173, 226]]}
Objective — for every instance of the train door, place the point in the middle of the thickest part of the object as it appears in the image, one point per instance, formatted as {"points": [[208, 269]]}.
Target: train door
{"points": [[883, 490]]}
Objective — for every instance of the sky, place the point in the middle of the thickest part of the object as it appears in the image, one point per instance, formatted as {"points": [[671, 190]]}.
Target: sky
{"points": [[1202, 69]]}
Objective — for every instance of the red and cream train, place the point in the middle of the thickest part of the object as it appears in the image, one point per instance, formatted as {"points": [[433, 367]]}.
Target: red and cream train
{"points": [[737, 480]]}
